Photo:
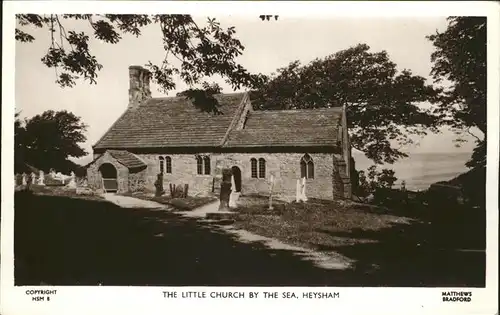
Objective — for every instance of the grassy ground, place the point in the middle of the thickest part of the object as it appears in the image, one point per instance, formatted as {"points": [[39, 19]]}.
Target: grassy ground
{"points": [[315, 223], [60, 191], [384, 246], [182, 204], [61, 240], [68, 241]]}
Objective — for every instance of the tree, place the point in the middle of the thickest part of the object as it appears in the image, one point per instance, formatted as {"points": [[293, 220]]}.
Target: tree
{"points": [[19, 145], [382, 103], [377, 183], [201, 51], [460, 59], [48, 140]]}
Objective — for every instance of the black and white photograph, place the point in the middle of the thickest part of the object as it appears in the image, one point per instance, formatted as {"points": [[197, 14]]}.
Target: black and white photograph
{"points": [[190, 149]]}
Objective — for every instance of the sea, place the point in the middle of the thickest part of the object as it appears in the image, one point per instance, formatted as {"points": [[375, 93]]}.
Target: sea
{"points": [[420, 170]]}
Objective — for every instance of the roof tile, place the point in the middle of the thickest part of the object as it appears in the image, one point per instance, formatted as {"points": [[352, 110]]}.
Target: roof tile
{"points": [[171, 122], [176, 122], [318, 127], [127, 159]]}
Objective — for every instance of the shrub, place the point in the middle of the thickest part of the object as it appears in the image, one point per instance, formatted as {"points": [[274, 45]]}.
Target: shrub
{"points": [[376, 183]]}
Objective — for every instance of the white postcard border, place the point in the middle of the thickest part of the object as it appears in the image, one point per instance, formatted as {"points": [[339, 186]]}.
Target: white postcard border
{"points": [[128, 300]]}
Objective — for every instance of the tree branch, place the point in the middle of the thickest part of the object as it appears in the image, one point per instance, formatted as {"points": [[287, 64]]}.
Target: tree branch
{"points": [[62, 31], [470, 133]]}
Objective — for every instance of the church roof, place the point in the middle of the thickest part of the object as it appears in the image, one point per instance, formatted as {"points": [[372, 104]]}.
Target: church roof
{"points": [[174, 122], [313, 127], [127, 159], [171, 122]]}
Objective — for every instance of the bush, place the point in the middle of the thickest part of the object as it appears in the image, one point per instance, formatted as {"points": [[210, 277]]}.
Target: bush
{"points": [[378, 184]]}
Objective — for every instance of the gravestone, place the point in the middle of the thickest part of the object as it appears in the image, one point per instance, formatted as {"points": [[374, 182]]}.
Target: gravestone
{"points": [[159, 191], [41, 178], [303, 194], [33, 178], [232, 196], [225, 189], [72, 182], [24, 181], [301, 190]]}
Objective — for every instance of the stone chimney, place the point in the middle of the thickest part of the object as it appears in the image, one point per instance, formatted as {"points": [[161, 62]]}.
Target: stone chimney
{"points": [[139, 90]]}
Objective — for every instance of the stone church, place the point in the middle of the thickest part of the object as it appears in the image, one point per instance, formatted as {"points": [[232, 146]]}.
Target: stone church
{"points": [[190, 146]]}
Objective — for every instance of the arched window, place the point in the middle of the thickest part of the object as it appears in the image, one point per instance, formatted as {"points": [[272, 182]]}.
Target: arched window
{"points": [[203, 165], [262, 168], [162, 164], [168, 165], [253, 167], [199, 165], [306, 167], [206, 161]]}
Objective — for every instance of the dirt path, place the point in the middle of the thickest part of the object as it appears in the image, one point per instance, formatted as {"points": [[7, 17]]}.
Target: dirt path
{"points": [[322, 260], [131, 202]]}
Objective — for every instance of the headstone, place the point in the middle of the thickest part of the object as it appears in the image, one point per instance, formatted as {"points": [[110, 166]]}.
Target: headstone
{"points": [[159, 191], [232, 196], [24, 180], [303, 195], [41, 178], [233, 184], [225, 189], [232, 200], [72, 182], [33, 178]]}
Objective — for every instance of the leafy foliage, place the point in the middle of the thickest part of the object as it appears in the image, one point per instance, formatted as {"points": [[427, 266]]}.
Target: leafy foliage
{"points": [[47, 140], [204, 98], [201, 50], [377, 183], [382, 103], [460, 59], [368, 183]]}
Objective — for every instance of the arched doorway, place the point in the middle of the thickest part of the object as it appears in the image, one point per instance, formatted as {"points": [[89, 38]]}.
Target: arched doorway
{"points": [[109, 177], [237, 178]]}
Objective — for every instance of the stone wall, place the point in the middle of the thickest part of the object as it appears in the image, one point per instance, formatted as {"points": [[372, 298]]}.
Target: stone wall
{"points": [[330, 180], [284, 166], [286, 170], [184, 171], [137, 180]]}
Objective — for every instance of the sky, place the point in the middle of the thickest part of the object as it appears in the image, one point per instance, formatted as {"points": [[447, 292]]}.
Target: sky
{"points": [[268, 45]]}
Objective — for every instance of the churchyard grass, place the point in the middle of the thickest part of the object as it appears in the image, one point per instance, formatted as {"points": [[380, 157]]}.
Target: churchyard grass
{"points": [[314, 224], [60, 191], [182, 204]]}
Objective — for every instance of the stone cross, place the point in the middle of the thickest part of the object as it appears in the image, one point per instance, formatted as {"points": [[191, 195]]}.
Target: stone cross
{"points": [[225, 189], [41, 178], [232, 196], [33, 178], [24, 182]]}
